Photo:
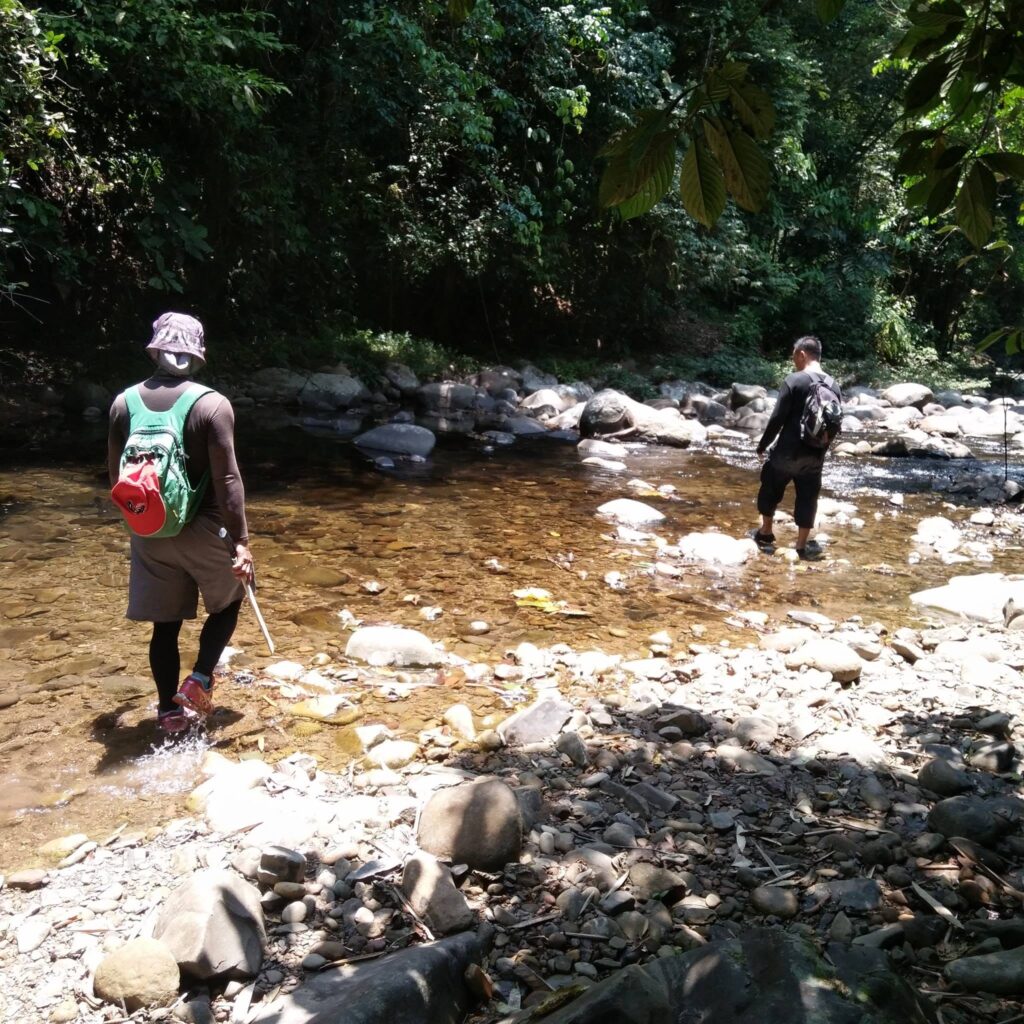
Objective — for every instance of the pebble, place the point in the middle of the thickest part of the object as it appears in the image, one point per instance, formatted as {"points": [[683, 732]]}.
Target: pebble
{"points": [[775, 901]]}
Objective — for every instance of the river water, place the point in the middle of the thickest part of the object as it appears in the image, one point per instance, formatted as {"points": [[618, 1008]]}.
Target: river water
{"points": [[460, 533]]}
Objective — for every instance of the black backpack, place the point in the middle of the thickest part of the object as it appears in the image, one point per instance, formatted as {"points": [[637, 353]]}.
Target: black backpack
{"points": [[822, 417]]}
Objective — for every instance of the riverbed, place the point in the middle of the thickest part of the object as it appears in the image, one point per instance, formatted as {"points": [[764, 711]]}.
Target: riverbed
{"points": [[433, 546]]}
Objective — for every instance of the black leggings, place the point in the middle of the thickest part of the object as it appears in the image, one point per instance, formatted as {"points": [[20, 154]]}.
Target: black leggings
{"points": [[165, 661]]}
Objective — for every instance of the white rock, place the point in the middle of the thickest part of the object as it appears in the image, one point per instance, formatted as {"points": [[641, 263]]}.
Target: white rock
{"points": [[717, 548], [459, 718], [978, 598], [391, 645], [285, 671], [32, 934], [630, 512]]}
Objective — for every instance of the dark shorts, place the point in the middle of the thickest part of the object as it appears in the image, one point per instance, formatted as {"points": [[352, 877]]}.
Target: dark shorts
{"points": [[169, 573], [775, 477]]}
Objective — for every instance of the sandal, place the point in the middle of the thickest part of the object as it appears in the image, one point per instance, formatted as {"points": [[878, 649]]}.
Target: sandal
{"points": [[765, 541], [195, 697], [170, 723]]}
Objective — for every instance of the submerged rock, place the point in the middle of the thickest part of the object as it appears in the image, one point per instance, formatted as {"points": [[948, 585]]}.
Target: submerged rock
{"points": [[391, 645], [400, 438]]}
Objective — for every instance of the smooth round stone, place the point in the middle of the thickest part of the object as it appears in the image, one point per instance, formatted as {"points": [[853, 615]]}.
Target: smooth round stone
{"points": [[294, 912], [771, 900], [478, 627], [313, 962]]}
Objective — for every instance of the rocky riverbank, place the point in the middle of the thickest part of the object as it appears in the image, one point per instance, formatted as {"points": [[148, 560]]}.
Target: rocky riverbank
{"points": [[842, 787]]}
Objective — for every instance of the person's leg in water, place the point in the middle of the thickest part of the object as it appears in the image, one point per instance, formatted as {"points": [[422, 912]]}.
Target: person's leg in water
{"points": [[770, 493], [165, 664], [196, 692], [805, 511]]}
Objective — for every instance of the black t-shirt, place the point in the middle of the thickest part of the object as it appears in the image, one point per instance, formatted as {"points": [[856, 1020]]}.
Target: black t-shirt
{"points": [[785, 422]]}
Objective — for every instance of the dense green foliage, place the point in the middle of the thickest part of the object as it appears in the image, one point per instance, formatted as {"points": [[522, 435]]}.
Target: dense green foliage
{"points": [[297, 172]]}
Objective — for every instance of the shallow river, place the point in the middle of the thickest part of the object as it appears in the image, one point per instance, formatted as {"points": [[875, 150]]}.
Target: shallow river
{"points": [[77, 747]]}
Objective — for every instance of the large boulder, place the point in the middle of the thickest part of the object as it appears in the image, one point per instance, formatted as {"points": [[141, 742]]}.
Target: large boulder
{"points": [[744, 394], [330, 391], [902, 395], [213, 926], [141, 973], [444, 398], [399, 438], [478, 823], [979, 598], [276, 385], [611, 413], [548, 397], [83, 394], [391, 645], [412, 986], [760, 976], [402, 379], [608, 412]]}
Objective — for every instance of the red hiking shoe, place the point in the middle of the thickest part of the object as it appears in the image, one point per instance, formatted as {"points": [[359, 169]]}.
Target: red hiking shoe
{"points": [[170, 723], [194, 697]]}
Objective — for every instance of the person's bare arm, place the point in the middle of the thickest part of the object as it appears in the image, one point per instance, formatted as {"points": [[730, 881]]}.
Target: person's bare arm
{"points": [[227, 485], [117, 434]]}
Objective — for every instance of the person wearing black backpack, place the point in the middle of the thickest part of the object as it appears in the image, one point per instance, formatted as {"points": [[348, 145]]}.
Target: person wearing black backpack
{"points": [[174, 476], [803, 425]]}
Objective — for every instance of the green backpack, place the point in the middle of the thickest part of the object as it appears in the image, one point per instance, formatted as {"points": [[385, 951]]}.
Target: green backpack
{"points": [[153, 491]]}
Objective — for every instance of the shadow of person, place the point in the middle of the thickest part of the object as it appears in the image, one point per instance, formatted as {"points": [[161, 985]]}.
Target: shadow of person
{"points": [[126, 741]]}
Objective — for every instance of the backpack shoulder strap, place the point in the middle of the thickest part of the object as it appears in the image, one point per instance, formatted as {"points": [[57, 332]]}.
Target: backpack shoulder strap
{"points": [[133, 399], [179, 412]]}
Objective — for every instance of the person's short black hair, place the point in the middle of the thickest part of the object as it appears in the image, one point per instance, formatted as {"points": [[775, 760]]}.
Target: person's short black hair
{"points": [[809, 344]]}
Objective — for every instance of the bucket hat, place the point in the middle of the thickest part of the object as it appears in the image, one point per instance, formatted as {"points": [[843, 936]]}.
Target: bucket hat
{"points": [[180, 334]]}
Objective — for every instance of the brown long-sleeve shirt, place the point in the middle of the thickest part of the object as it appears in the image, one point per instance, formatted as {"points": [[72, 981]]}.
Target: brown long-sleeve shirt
{"points": [[209, 445]]}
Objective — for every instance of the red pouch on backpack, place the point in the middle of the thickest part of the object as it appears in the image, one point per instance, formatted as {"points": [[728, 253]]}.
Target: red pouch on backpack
{"points": [[137, 495]]}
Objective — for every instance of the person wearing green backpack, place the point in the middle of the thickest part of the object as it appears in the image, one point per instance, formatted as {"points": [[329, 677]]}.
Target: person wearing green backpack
{"points": [[175, 479]]}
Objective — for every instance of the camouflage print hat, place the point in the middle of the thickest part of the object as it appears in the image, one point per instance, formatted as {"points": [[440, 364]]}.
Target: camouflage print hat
{"points": [[178, 333]]}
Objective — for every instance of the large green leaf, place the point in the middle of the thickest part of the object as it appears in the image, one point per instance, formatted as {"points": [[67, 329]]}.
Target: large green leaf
{"points": [[752, 107], [829, 10], [974, 204], [990, 339], [719, 81], [1010, 164], [747, 172], [942, 192], [932, 19], [634, 187], [636, 138], [923, 89], [702, 184], [460, 10]]}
